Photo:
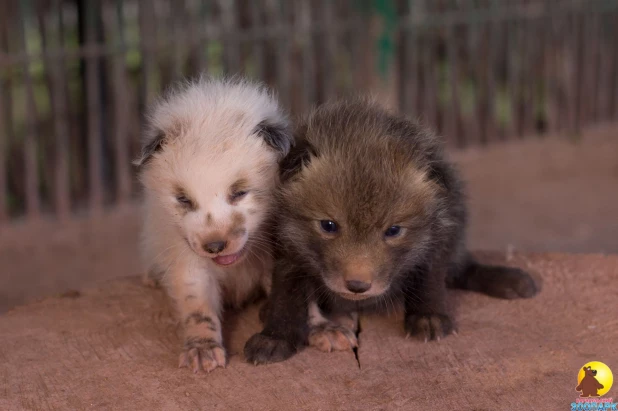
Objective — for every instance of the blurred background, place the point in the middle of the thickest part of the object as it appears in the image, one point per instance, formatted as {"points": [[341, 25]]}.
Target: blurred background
{"points": [[525, 93]]}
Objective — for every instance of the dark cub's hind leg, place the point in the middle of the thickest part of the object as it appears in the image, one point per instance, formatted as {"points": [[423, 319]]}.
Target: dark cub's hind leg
{"points": [[493, 280]]}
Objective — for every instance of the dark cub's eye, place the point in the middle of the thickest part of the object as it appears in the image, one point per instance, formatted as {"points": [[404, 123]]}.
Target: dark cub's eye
{"points": [[328, 226], [393, 231], [184, 200], [237, 195]]}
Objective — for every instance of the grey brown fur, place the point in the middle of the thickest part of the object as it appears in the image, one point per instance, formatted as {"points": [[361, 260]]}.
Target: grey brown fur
{"points": [[357, 165]]}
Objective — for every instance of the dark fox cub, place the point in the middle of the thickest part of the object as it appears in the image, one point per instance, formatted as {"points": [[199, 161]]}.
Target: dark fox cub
{"points": [[371, 213]]}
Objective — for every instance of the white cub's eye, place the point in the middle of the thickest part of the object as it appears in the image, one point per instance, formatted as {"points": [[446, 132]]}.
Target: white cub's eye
{"points": [[237, 195], [238, 190], [184, 201]]}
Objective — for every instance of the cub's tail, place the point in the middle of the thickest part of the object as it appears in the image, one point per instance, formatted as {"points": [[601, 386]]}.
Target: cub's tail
{"points": [[493, 280]]}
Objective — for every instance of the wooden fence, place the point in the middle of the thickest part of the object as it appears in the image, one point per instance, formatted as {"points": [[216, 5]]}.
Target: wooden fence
{"points": [[76, 75]]}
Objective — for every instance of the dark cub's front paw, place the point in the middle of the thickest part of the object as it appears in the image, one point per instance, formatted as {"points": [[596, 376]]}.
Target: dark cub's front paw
{"points": [[429, 326], [261, 349], [510, 283]]}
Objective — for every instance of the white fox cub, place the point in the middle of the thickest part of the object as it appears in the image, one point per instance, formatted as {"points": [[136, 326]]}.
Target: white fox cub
{"points": [[209, 166]]}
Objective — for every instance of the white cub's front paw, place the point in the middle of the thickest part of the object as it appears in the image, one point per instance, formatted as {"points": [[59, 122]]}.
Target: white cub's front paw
{"points": [[330, 336], [202, 354]]}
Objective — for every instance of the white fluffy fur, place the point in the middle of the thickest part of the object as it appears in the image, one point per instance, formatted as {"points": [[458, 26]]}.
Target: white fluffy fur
{"points": [[210, 141]]}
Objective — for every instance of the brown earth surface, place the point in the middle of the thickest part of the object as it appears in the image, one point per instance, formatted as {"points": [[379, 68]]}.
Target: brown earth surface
{"points": [[116, 347], [545, 195]]}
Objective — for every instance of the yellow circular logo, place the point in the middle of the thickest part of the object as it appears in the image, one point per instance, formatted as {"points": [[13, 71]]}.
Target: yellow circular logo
{"points": [[594, 379]]}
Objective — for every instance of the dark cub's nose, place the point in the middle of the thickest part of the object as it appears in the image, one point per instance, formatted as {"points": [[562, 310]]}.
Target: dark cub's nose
{"points": [[357, 286], [215, 247]]}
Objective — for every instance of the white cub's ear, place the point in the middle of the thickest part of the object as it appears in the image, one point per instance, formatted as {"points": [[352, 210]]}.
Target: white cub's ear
{"points": [[154, 138], [150, 145], [277, 134]]}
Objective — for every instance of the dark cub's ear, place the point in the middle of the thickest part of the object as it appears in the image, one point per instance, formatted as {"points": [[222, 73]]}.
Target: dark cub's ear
{"points": [[293, 163], [423, 141], [277, 134], [442, 173], [151, 143]]}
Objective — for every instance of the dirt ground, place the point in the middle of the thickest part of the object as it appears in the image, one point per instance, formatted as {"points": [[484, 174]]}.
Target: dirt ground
{"points": [[539, 195], [545, 195], [116, 348]]}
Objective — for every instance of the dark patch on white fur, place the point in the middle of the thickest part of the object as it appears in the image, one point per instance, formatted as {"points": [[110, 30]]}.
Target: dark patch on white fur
{"points": [[199, 318], [276, 134], [150, 147]]}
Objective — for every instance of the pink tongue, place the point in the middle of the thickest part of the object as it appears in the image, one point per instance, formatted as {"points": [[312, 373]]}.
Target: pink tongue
{"points": [[226, 259]]}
